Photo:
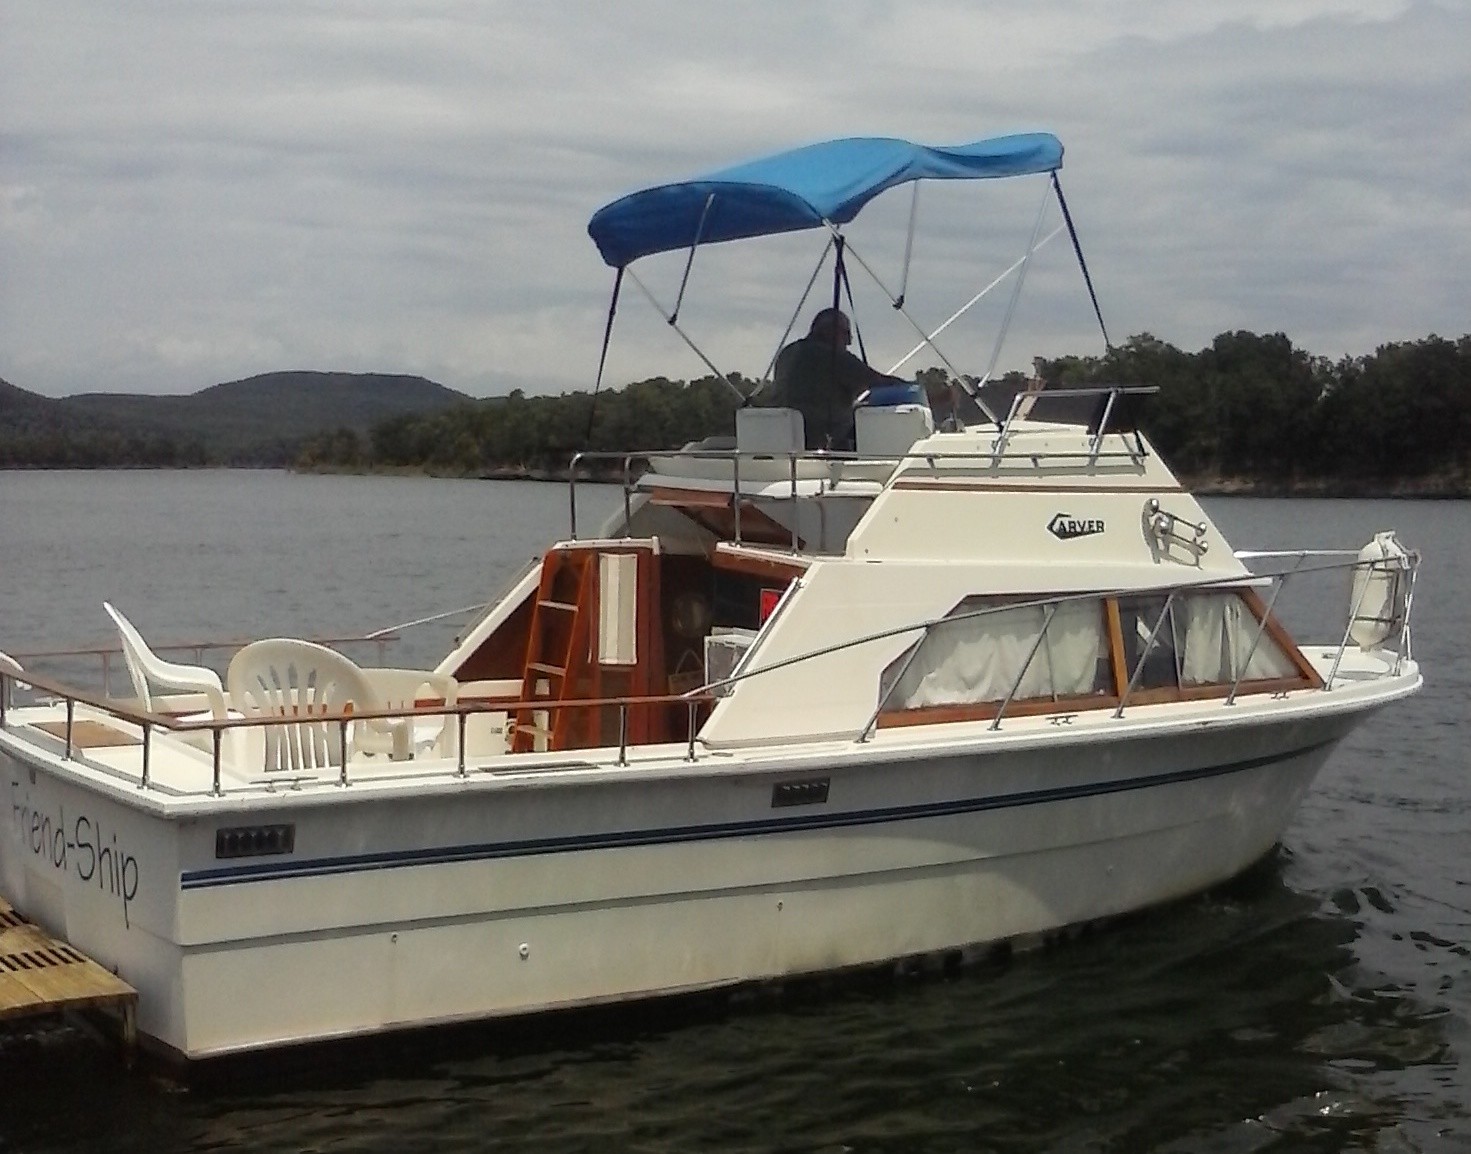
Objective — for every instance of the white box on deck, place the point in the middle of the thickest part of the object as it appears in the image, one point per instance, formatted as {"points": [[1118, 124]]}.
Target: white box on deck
{"points": [[769, 431], [890, 430]]}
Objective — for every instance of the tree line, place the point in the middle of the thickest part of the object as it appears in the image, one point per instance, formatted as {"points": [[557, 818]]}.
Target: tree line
{"points": [[1248, 408]]}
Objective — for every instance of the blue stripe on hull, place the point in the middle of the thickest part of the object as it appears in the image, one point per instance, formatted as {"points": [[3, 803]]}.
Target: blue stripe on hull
{"points": [[442, 855]]}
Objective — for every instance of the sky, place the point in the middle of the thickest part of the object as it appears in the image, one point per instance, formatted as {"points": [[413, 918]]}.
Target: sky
{"points": [[195, 191]]}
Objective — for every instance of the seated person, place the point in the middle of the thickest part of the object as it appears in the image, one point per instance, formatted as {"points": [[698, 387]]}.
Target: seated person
{"points": [[821, 379]]}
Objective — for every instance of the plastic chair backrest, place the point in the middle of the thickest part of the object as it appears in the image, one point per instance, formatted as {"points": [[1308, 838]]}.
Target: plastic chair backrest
{"points": [[297, 680], [146, 668]]}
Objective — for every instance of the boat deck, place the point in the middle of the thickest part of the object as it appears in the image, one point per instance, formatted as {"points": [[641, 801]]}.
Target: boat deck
{"points": [[40, 975]]}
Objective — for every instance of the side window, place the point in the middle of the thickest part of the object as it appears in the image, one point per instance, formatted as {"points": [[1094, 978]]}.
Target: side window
{"points": [[1137, 620], [988, 645], [1220, 640]]}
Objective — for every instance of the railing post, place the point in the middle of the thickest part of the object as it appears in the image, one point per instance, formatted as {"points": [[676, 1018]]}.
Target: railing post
{"points": [[1261, 627], [71, 710], [147, 744], [572, 495], [218, 736], [735, 477], [690, 752], [1097, 444], [867, 731], [342, 724], [1403, 649], [627, 497], [623, 733], [1353, 614], [796, 507], [460, 719], [1144, 654], [1027, 664]]}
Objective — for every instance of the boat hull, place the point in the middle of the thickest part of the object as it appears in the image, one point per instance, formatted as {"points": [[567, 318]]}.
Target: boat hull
{"points": [[487, 902]]}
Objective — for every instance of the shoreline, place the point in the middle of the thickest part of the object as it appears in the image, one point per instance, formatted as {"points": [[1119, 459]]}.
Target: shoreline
{"points": [[1438, 488]]}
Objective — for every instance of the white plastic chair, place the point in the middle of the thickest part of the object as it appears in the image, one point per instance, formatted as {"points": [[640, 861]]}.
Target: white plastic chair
{"points": [[12, 670], [281, 677], [403, 738], [147, 669]]}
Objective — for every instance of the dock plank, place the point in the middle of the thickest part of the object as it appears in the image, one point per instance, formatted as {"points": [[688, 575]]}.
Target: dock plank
{"points": [[40, 975]]}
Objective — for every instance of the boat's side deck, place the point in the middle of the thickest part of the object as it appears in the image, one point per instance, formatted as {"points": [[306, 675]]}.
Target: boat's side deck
{"points": [[108, 751]]}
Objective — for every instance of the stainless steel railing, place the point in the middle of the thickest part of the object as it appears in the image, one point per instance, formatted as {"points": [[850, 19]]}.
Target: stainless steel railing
{"points": [[13, 675]]}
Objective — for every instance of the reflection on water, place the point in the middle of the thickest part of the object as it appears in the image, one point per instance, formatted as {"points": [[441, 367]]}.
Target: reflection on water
{"points": [[1320, 1003]]}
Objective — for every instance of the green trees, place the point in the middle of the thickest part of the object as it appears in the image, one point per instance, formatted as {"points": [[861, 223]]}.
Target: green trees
{"points": [[1255, 408], [1248, 407], [517, 435]]}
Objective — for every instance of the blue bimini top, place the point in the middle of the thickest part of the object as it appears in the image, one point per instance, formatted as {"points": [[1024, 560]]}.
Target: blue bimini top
{"points": [[803, 188]]}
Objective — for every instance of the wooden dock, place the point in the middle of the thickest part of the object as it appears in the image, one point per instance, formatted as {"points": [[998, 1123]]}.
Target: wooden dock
{"points": [[40, 975]]}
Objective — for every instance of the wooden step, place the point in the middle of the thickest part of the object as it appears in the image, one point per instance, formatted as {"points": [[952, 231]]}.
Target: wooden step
{"points": [[565, 606], [543, 667]]}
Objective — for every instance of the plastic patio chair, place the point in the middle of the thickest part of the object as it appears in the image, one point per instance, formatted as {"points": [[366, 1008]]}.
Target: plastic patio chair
{"points": [[294, 680], [147, 669], [299, 682], [403, 738]]}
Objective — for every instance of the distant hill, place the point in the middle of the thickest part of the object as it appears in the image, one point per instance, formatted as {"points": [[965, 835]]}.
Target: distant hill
{"points": [[261, 420]]}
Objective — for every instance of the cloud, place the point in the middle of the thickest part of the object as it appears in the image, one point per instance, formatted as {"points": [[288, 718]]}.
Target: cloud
{"points": [[196, 192]]}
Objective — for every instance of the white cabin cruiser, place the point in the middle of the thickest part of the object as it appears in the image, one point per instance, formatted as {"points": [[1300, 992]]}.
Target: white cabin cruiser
{"points": [[786, 712]]}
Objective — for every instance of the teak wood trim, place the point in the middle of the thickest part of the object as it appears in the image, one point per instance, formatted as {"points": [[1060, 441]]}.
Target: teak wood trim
{"points": [[755, 565], [987, 710], [1115, 628], [1278, 633], [693, 498]]}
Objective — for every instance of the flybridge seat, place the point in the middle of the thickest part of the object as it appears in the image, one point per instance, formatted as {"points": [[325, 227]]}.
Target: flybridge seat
{"points": [[886, 428], [890, 430], [774, 431]]}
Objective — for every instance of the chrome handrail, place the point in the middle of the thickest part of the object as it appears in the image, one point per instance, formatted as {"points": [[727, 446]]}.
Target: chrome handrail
{"points": [[625, 461]]}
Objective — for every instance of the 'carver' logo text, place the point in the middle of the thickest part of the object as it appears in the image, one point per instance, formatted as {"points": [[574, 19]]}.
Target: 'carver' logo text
{"points": [[1066, 527]]}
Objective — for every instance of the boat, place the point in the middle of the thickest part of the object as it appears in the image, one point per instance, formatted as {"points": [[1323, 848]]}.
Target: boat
{"points": [[787, 712]]}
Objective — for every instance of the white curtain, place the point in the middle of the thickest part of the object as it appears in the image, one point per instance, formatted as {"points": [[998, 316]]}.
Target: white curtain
{"points": [[979, 659], [1215, 631]]}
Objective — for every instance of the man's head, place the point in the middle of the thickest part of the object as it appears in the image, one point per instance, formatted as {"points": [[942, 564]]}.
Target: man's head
{"points": [[832, 325]]}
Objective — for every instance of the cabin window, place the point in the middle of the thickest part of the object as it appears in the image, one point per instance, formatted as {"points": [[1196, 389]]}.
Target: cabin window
{"points": [[1214, 634], [1206, 639], [1203, 643], [1137, 620], [985, 646]]}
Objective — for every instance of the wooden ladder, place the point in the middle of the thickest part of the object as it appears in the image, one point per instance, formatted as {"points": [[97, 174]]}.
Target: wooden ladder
{"points": [[557, 650]]}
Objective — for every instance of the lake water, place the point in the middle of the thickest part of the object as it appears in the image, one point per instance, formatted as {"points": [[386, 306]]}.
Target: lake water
{"points": [[1321, 1003]]}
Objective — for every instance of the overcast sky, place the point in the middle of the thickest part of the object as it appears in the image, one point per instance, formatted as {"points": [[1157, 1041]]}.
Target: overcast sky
{"points": [[196, 191]]}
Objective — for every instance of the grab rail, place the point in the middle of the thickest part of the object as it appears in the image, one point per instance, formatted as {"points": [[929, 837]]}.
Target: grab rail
{"points": [[837, 462], [148, 721], [380, 638]]}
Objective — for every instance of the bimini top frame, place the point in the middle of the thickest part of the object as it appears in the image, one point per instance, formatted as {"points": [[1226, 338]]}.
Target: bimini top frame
{"points": [[819, 186]]}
